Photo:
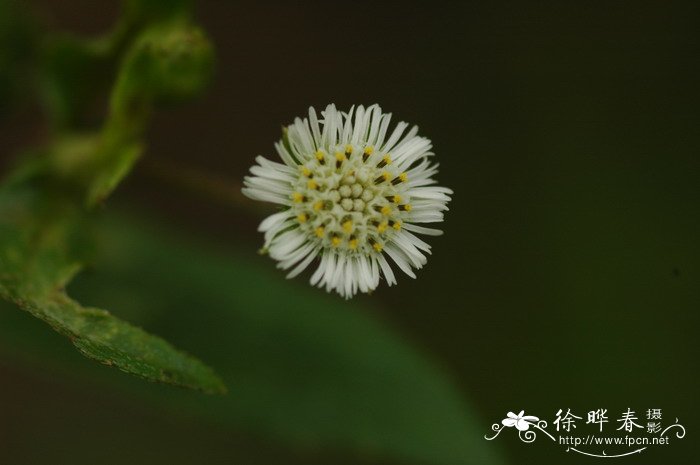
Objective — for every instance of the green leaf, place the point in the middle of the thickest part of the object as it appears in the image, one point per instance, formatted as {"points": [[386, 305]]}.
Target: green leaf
{"points": [[42, 236], [308, 368]]}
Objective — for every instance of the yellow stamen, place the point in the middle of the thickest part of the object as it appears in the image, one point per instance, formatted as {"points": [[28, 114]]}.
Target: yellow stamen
{"points": [[377, 246], [319, 231], [302, 218], [352, 244], [382, 227], [385, 176], [347, 226], [340, 156], [397, 226], [397, 199], [385, 161], [386, 210], [318, 205], [369, 150], [305, 171], [348, 149], [319, 155], [403, 177], [407, 207], [311, 184], [336, 240], [297, 197]]}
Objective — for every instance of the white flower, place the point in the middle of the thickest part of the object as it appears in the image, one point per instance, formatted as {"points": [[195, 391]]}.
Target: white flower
{"points": [[351, 196], [521, 421]]}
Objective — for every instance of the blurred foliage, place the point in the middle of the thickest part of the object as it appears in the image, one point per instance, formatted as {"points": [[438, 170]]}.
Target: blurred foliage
{"points": [[168, 63], [303, 367], [76, 71], [44, 206]]}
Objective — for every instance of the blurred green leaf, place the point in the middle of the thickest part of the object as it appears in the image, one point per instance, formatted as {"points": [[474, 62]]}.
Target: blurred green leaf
{"points": [[169, 62], [307, 368], [157, 54], [96, 163], [42, 241], [116, 169]]}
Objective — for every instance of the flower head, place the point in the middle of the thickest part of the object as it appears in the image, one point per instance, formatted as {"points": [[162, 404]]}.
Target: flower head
{"points": [[353, 194]]}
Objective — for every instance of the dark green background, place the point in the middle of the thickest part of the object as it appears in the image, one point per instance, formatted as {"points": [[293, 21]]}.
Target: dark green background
{"points": [[568, 276]]}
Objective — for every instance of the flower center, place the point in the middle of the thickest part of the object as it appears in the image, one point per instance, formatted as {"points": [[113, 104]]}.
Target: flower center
{"points": [[350, 198]]}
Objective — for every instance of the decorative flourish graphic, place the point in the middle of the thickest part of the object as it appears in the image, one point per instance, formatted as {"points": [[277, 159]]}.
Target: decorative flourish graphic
{"points": [[680, 433], [566, 422], [604, 455]]}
